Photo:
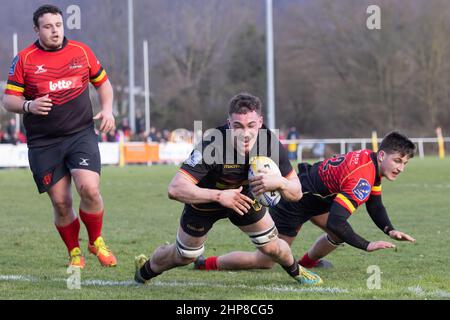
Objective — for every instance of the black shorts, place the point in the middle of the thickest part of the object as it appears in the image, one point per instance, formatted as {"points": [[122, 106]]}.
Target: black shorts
{"points": [[50, 164], [290, 216], [197, 223]]}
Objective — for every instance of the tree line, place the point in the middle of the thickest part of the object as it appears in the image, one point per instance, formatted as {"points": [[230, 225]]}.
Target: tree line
{"points": [[334, 76]]}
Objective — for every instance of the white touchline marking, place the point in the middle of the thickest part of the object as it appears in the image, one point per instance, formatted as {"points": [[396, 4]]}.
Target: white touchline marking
{"points": [[17, 278], [174, 284], [419, 291]]}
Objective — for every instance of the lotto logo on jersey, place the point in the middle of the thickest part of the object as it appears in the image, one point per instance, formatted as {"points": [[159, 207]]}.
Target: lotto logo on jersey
{"points": [[60, 84], [362, 189]]}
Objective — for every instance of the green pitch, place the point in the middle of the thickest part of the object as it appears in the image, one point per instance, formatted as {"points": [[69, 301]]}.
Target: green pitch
{"points": [[139, 217]]}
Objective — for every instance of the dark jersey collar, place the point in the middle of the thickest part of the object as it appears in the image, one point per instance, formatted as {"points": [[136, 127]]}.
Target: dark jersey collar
{"points": [[65, 41], [373, 156]]}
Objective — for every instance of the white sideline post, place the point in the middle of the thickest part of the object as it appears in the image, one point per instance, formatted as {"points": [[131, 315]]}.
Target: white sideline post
{"points": [[15, 51], [342, 146], [299, 153], [421, 153]]}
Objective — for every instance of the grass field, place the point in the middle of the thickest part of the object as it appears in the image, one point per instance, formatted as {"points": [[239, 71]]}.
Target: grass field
{"points": [[140, 217]]}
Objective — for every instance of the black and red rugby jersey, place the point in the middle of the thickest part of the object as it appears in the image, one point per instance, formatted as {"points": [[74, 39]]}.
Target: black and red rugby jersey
{"points": [[229, 173], [348, 179], [64, 74]]}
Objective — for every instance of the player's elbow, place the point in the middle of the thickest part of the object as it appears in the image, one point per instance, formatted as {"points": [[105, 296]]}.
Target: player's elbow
{"points": [[298, 194], [294, 191], [172, 191], [294, 197], [6, 102]]}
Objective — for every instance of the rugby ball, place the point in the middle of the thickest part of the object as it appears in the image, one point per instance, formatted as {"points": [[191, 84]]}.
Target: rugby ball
{"points": [[269, 198]]}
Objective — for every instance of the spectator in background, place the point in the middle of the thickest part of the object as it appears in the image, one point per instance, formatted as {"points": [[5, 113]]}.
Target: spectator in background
{"points": [[21, 138], [11, 131], [152, 136], [113, 136], [125, 127], [1, 135], [319, 150], [166, 135], [140, 123], [292, 147]]}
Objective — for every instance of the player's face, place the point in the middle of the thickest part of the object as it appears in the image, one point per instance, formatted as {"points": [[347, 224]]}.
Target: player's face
{"points": [[392, 164], [245, 128], [50, 31]]}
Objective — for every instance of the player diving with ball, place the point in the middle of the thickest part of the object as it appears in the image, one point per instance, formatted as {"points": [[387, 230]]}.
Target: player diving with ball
{"points": [[219, 188]]}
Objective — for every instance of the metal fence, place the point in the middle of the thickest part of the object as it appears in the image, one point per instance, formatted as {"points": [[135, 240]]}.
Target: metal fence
{"points": [[322, 148]]}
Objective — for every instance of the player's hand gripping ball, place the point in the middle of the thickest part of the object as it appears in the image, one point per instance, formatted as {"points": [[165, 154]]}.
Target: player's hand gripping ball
{"points": [[269, 198]]}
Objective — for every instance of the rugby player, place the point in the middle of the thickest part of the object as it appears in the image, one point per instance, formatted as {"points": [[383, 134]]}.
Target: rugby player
{"points": [[218, 188], [332, 190], [49, 84]]}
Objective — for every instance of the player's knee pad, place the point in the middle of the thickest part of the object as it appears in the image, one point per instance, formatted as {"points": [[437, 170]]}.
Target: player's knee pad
{"points": [[334, 243], [189, 252], [261, 238]]}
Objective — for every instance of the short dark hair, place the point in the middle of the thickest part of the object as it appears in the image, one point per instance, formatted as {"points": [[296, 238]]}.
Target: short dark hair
{"points": [[397, 142], [244, 102], [46, 8]]}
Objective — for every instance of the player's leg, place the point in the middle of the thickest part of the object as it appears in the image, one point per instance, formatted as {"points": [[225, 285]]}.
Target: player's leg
{"points": [[66, 221], [323, 246], [83, 160], [61, 196], [239, 260], [51, 176], [183, 252], [189, 245], [287, 225], [264, 236], [91, 213]]}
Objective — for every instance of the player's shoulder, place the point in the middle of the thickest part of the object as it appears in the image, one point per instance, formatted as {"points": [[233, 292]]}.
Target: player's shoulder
{"points": [[360, 157], [78, 44], [24, 53], [361, 164]]}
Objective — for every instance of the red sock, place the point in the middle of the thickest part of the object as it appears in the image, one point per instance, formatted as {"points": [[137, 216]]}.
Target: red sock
{"points": [[211, 263], [93, 223], [307, 262], [69, 234]]}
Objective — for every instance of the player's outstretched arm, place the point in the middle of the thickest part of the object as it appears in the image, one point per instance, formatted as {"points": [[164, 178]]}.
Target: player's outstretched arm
{"points": [[289, 188], [338, 224], [379, 215], [401, 236], [184, 190]]}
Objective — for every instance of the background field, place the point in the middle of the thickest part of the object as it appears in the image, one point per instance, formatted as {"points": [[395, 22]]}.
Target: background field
{"points": [[139, 217]]}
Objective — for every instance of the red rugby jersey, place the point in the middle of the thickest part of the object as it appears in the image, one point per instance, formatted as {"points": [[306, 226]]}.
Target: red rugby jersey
{"points": [[352, 177], [64, 74]]}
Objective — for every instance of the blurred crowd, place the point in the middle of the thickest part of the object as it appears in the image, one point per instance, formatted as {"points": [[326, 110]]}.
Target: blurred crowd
{"points": [[123, 129], [8, 134]]}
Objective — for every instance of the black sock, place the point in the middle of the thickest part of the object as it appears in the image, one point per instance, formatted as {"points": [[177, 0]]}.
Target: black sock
{"points": [[293, 270], [146, 271]]}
